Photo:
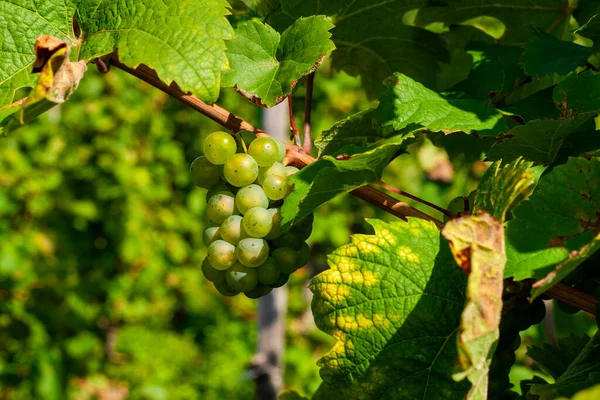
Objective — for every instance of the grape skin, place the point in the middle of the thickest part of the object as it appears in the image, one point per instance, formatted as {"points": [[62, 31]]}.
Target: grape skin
{"points": [[264, 150], [275, 187], [240, 170], [220, 207], [221, 254], [252, 252], [267, 272], [203, 173], [211, 233], [232, 230], [241, 278], [249, 197], [258, 222], [218, 146], [276, 168]]}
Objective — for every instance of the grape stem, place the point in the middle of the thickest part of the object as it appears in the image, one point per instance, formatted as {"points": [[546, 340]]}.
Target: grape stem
{"points": [[307, 142], [293, 126], [299, 158], [415, 198]]}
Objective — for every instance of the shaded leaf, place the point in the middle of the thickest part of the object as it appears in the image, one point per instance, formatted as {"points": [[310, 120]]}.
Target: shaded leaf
{"points": [[540, 141], [591, 30], [561, 216], [519, 17], [262, 7], [577, 94], [372, 39], [555, 360], [536, 106], [477, 243], [50, 17], [582, 373], [392, 301], [182, 40], [408, 102], [265, 66], [501, 186], [591, 393], [328, 177], [548, 55]]}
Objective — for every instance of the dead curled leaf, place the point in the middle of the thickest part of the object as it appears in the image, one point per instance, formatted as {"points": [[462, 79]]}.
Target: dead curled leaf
{"points": [[59, 76]]}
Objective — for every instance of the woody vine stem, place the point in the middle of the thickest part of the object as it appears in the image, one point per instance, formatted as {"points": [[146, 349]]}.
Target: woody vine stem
{"points": [[298, 157]]}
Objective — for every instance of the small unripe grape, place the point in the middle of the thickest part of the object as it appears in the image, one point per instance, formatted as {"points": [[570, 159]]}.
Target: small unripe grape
{"points": [[216, 189], [224, 289], [249, 197], [259, 291], [287, 259], [305, 222], [252, 252], [276, 168], [303, 255], [220, 207], [275, 186], [258, 222], [219, 146], [203, 173], [276, 219], [211, 233], [232, 230], [221, 255], [264, 150], [240, 170], [241, 278], [280, 149], [288, 239], [268, 273], [282, 280], [290, 170], [210, 273]]}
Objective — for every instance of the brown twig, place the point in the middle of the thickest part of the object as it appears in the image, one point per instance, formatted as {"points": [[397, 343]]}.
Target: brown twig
{"points": [[293, 125], [415, 198], [573, 297], [310, 82], [295, 155]]}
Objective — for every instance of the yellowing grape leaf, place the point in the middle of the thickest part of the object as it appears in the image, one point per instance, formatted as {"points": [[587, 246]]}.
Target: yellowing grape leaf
{"points": [[477, 243], [393, 302]]}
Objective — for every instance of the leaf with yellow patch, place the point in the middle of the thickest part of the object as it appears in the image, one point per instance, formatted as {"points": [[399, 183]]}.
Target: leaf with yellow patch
{"points": [[477, 243], [393, 302]]}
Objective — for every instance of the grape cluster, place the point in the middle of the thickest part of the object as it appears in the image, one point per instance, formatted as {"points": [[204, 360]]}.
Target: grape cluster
{"points": [[247, 250], [518, 316]]}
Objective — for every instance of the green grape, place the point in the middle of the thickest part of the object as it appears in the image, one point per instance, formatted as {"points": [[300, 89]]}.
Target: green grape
{"points": [[276, 168], [288, 239], [225, 289], [219, 146], [259, 291], [276, 219], [264, 150], [252, 252], [249, 197], [303, 255], [245, 137], [210, 273], [240, 170], [303, 233], [241, 278], [203, 173], [232, 230], [211, 233], [280, 149], [275, 187], [268, 273], [287, 259], [290, 170], [282, 280], [221, 254], [258, 222], [220, 207], [216, 189]]}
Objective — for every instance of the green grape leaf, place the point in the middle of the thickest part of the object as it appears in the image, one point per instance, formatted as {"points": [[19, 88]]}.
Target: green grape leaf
{"points": [[461, 145], [591, 30], [393, 302], [358, 130], [535, 106], [407, 102], [262, 7], [477, 243], [591, 393], [519, 17], [372, 39], [557, 220], [182, 40], [575, 258], [582, 373], [577, 94], [502, 186], [548, 55], [555, 360], [540, 141], [265, 66], [329, 177], [21, 23]]}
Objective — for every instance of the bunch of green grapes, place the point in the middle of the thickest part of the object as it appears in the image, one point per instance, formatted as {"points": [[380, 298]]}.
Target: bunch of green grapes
{"points": [[247, 250]]}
